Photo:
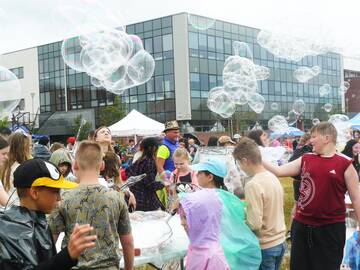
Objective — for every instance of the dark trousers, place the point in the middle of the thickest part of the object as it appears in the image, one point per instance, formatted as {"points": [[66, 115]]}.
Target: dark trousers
{"points": [[317, 248]]}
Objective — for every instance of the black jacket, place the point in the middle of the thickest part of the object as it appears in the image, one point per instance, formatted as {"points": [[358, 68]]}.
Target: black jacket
{"points": [[41, 151], [26, 242]]}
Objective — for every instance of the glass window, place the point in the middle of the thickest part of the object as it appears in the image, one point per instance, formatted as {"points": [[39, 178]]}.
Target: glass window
{"points": [[150, 86], [168, 66], [204, 66], [148, 26], [193, 41], [159, 67], [219, 44], [212, 81], [159, 84], [204, 82], [194, 64], [158, 44], [157, 24], [227, 46], [202, 42], [194, 81], [139, 28], [167, 42], [166, 21], [211, 43]]}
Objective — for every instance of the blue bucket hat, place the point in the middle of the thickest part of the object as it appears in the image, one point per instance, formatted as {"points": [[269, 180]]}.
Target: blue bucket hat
{"points": [[215, 166]]}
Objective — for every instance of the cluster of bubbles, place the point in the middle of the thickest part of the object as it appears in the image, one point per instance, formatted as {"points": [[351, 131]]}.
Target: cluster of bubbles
{"points": [[288, 46], [240, 76], [200, 23], [278, 123], [112, 58], [10, 90], [304, 74], [343, 128]]}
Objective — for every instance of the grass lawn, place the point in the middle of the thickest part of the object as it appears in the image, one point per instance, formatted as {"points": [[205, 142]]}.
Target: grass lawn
{"points": [[288, 205]]}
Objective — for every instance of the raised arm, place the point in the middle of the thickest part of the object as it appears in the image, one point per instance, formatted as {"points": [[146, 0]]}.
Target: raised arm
{"points": [[352, 184], [292, 168]]}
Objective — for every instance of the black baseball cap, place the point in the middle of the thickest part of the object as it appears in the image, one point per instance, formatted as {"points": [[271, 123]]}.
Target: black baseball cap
{"points": [[39, 173]]}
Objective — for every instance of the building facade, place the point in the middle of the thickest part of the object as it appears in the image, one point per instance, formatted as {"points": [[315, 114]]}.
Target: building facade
{"points": [[188, 63]]}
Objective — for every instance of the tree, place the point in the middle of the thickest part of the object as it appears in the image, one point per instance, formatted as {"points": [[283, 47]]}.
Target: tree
{"points": [[111, 114], [4, 122], [81, 128], [242, 120]]}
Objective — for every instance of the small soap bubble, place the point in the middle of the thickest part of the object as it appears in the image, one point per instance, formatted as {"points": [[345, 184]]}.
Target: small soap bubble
{"points": [[304, 74], [324, 90], [292, 117], [274, 106], [315, 121], [278, 123], [299, 106], [328, 107]]}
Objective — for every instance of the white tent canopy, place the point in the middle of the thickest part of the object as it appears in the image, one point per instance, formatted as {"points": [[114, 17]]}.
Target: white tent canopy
{"points": [[136, 124]]}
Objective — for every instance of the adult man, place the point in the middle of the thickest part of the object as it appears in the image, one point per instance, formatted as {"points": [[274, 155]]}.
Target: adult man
{"points": [[164, 160], [40, 149]]}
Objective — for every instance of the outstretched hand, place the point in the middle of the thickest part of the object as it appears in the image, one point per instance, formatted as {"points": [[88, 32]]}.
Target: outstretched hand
{"points": [[80, 240]]}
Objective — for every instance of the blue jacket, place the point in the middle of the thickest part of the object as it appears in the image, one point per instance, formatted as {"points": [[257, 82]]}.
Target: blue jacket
{"points": [[169, 162]]}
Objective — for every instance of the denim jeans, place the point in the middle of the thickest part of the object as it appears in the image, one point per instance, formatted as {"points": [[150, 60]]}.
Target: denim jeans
{"points": [[272, 257]]}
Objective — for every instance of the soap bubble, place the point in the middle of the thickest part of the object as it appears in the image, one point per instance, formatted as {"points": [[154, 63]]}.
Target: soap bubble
{"points": [[278, 123], [261, 72], [315, 121], [274, 106], [95, 82], [70, 51], [220, 102], [324, 90], [256, 102], [287, 46], [304, 74], [299, 106], [344, 87], [292, 117], [10, 90], [200, 23], [239, 72], [141, 67], [238, 96], [328, 107], [242, 49], [343, 128]]}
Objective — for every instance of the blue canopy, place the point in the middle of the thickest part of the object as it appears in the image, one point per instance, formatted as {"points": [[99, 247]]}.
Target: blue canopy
{"points": [[289, 132], [355, 121]]}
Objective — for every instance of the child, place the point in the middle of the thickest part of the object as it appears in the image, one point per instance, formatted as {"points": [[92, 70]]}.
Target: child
{"points": [[211, 173], [199, 210], [318, 228], [183, 172], [265, 212], [103, 208], [25, 239], [241, 247], [61, 158]]}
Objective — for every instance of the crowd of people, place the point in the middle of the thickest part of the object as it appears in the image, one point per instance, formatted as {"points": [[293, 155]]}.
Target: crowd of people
{"points": [[93, 210]]}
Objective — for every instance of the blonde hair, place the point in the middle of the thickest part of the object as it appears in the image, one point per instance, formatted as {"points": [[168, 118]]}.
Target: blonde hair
{"points": [[325, 128], [181, 153], [89, 155], [19, 152]]}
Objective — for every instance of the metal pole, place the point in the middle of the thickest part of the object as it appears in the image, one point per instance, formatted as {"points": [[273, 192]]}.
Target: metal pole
{"points": [[65, 89]]}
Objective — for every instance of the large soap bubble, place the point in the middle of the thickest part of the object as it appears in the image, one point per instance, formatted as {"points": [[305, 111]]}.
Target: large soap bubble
{"points": [[287, 46], [10, 92], [299, 106], [220, 102], [343, 128], [324, 90], [304, 74], [71, 53], [256, 102], [292, 117], [200, 23], [328, 107], [278, 123], [238, 96]]}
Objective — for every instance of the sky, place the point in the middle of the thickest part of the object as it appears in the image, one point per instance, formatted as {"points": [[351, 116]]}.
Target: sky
{"points": [[29, 23]]}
